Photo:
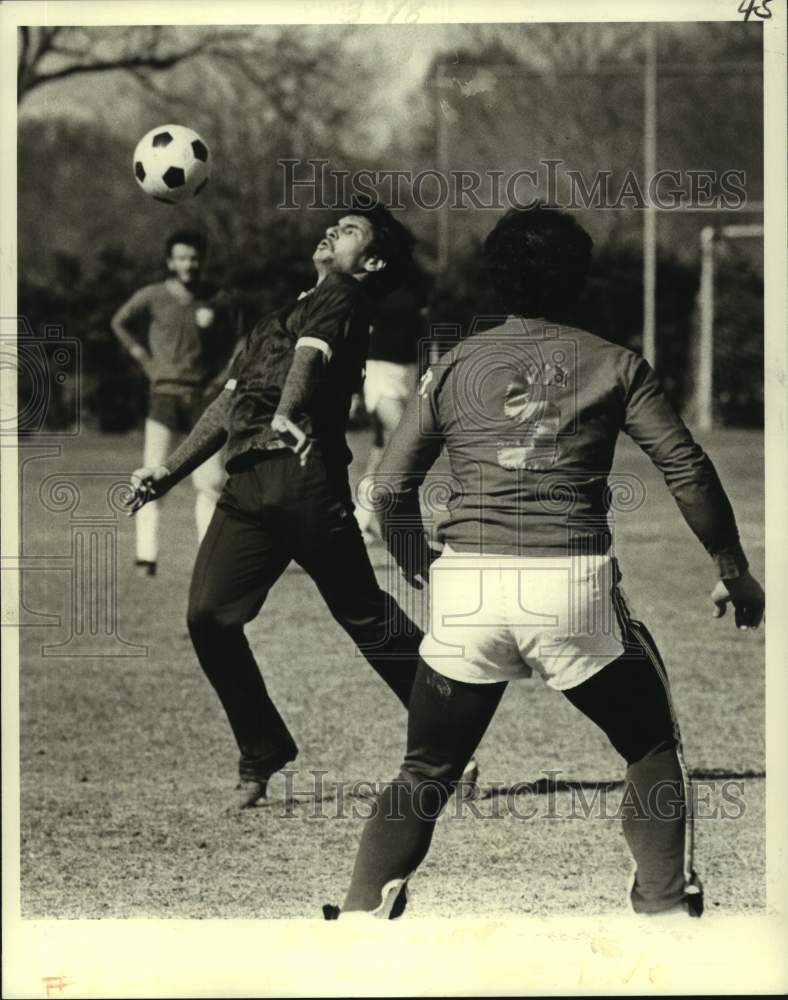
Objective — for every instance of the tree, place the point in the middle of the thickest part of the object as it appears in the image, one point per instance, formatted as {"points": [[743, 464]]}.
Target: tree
{"points": [[47, 54]]}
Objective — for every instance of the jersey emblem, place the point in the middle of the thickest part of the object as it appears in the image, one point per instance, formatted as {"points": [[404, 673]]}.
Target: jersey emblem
{"points": [[533, 444], [203, 316], [426, 378]]}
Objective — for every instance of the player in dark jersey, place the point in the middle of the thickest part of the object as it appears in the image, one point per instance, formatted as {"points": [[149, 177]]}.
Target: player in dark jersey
{"points": [[529, 413], [182, 333], [283, 415]]}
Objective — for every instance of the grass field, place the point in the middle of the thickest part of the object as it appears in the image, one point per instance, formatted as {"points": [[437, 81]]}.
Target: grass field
{"points": [[128, 764]]}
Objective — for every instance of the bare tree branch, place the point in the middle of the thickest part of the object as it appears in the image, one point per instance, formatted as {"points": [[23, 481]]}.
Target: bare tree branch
{"points": [[73, 52]]}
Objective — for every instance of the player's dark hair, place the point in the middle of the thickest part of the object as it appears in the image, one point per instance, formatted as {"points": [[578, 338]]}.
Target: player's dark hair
{"points": [[188, 237], [538, 259], [391, 241]]}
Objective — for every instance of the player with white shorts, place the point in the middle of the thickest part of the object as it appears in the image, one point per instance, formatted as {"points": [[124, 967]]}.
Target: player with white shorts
{"points": [[505, 617], [392, 372], [528, 582]]}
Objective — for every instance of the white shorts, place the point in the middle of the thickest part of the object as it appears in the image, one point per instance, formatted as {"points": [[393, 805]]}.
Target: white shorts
{"points": [[499, 618], [385, 379]]}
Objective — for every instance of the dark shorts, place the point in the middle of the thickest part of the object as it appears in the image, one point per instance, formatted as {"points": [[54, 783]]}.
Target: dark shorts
{"points": [[177, 411]]}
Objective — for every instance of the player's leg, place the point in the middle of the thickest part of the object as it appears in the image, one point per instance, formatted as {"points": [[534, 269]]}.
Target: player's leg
{"points": [[387, 388], [328, 544], [389, 413], [237, 564], [365, 515], [630, 701], [208, 480], [158, 444], [446, 721], [338, 562]]}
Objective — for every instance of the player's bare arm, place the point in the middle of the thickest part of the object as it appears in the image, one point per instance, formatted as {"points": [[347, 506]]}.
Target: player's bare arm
{"points": [[121, 327]]}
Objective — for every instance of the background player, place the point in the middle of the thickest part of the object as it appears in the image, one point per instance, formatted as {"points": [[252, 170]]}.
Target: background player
{"points": [[529, 413], [283, 415], [392, 369], [180, 332]]}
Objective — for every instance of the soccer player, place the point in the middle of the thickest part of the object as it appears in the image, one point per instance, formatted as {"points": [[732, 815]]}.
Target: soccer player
{"points": [[529, 413], [283, 415], [392, 370], [180, 332]]}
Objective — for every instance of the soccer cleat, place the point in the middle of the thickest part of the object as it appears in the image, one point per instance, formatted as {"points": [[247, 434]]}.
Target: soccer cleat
{"points": [[467, 788], [145, 567], [393, 900], [254, 778], [693, 896], [250, 793]]}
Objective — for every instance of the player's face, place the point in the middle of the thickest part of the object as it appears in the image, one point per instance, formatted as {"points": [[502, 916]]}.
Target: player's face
{"points": [[344, 247], [185, 263]]}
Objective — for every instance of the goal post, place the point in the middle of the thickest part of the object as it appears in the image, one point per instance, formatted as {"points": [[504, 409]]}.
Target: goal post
{"points": [[704, 389]]}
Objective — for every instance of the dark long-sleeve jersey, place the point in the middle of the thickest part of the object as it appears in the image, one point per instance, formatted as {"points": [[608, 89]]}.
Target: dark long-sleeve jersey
{"points": [[529, 413], [304, 361]]}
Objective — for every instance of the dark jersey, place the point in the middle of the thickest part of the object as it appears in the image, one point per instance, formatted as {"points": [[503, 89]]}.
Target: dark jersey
{"points": [[397, 328], [333, 318], [529, 413], [190, 336]]}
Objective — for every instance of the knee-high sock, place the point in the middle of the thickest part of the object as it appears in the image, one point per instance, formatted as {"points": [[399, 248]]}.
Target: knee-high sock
{"points": [[446, 720], [396, 838], [630, 701], [655, 829]]}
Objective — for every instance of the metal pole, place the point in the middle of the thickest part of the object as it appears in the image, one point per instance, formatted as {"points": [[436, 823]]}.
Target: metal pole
{"points": [[443, 210], [650, 219], [704, 391]]}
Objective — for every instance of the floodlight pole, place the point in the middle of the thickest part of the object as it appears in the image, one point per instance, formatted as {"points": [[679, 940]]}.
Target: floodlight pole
{"points": [[704, 390], [650, 215], [443, 210]]}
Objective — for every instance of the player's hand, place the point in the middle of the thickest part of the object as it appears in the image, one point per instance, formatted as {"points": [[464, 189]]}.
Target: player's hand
{"points": [[142, 358], [292, 435], [148, 483], [747, 597]]}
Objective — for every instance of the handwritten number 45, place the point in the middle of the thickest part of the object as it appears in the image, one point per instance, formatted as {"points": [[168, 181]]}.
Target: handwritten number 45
{"points": [[760, 9]]}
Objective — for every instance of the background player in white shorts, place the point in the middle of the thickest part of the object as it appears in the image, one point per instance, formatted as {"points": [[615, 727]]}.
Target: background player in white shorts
{"points": [[529, 413], [392, 370]]}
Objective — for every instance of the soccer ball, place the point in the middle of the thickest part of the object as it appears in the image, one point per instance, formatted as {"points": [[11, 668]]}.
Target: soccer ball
{"points": [[172, 163]]}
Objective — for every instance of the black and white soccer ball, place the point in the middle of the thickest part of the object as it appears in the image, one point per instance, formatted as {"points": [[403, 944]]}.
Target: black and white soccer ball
{"points": [[172, 163]]}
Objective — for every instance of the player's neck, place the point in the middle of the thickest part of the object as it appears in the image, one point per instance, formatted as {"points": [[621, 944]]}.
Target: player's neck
{"points": [[322, 274], [179, 290]]}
